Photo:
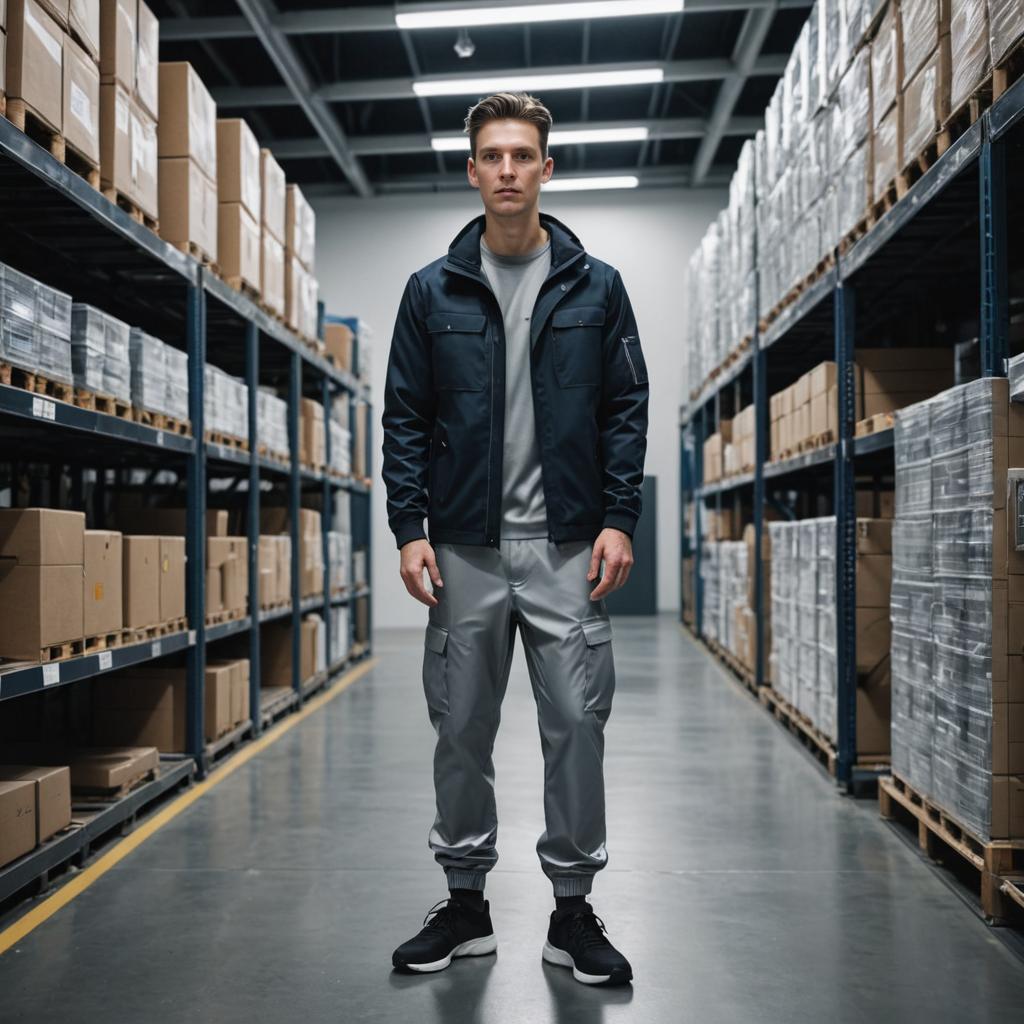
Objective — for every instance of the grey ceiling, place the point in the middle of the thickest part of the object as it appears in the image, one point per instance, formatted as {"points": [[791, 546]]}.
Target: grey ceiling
{"points": [[328, 86]]}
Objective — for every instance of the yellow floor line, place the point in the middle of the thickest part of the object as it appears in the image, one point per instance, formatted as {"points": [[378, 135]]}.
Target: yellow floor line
{"points": [[63, 896]]}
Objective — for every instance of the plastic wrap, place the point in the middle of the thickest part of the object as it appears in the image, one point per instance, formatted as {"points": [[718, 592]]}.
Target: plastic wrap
{"points": [[884, 71], [176, 392], [1005, 27], [341, 447], [19, 344], [795, 98], [226, 404], [830, 47], [969, 48], [922, 112], [922, 24], [272, 425], [53, 333], [853, 192], [100, 352], [148, 371], [1016, 372], [815, 97]]}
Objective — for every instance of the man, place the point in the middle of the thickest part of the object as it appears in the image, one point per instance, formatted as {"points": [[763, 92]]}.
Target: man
{"points": [[515, 421]]}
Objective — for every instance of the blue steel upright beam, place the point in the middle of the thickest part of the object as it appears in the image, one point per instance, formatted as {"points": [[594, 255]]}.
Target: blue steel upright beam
{"points": [[327, 516], [994, 301], [844, 503], [368, 528], [761, 596], [195, 529], [700, 436], [252, 380], [294, 503]]}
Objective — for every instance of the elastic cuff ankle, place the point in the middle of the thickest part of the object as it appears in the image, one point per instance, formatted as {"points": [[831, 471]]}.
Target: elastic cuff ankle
{"points": [[458, 879], [573, 886]]}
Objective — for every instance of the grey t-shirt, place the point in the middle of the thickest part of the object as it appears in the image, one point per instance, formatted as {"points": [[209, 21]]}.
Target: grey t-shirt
{"points": [[516, 281]]}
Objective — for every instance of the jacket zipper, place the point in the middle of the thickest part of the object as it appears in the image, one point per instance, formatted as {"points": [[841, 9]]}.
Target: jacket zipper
{"points": [[629, 359]]}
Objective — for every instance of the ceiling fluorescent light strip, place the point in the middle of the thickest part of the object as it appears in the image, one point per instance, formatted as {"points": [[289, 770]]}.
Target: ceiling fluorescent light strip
{"points": [[460, 143], [589, 184], [537, 83], [468, 17]]}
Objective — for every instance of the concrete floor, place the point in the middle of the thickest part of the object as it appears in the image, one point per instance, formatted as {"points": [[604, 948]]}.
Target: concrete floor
{"points": [[742, 887]]}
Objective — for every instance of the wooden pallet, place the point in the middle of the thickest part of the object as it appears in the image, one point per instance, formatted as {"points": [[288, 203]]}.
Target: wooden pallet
{"points": [[277, 607], [15, 376], [216, 618], [226, 440], [241, 285], [1008, 70], [154, 632], [857, 232], [106, 404], [744, 674], [59, 652], [160, 421], [25, 119], [126, 203], [104, 641], [83, 795], [810, 444], [873, 424], [999, 862], [885, 200], [197, 252]]}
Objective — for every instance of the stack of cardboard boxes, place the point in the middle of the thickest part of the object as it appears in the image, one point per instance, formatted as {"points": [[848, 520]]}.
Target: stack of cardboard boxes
{"points": [[275, 563], [272, 233], [276, 651], [806, 414], [227, 575], [51, 74], [60, 583], [35, 804], [187, 137], [146, 706], [714, 452], [300, 289], [312, 442], [129, 103], [893, 378], [739, 453], [311, 553], [338, 340], [238, 212]]}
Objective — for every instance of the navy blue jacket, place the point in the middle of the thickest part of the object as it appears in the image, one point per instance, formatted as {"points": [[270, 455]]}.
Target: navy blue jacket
{"points": [[444, 399]]}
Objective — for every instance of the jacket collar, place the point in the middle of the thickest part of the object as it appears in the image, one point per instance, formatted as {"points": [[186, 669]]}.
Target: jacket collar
{"points": [[464, 252]]}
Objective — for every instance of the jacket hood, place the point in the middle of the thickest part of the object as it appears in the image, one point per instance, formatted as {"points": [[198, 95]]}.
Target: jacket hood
{"points": [[465, 247]]}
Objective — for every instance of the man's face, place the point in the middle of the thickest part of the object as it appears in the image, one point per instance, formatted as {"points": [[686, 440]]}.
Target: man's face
{"points": [[508, 169]]}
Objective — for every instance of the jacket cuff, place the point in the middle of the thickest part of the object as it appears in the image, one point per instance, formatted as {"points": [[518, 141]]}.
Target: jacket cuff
{"points": [[411, 530], [624, 521]]}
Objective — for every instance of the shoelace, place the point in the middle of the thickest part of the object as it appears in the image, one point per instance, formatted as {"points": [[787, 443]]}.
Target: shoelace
{"points": [[589, 930], [442, 914]]}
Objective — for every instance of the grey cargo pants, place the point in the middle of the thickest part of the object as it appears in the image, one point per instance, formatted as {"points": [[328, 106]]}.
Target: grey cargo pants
{"points": [[542, 588]]}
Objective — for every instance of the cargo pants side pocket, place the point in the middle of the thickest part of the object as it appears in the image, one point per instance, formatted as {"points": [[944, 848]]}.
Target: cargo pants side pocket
{"points": [[600, 687], [435, 670]]}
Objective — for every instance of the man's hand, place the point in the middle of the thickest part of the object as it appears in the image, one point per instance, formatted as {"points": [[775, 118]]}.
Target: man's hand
{"points": [[616, 548], [417, 555]]}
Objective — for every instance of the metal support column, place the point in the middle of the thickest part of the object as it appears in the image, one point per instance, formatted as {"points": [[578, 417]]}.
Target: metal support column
{"points": [[195, 528], [327, 517], [294, 503], [252, 380], [994, 301], [761, 597], [844, 503], [368, 534], [700, 435]]}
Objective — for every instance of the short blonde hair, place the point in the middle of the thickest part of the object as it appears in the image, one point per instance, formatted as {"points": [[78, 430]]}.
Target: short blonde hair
{"points": [[509, 106]]}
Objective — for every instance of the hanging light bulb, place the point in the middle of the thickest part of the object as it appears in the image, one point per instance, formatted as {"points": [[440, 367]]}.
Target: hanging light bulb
{"points": [[464, 46]]}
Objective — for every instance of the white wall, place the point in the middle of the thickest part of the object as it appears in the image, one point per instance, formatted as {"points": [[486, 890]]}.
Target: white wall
{"points": [[367, 248]]}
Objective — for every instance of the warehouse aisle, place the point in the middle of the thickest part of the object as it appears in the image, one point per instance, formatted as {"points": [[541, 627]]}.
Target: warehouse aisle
{"points": [[739, 884]]}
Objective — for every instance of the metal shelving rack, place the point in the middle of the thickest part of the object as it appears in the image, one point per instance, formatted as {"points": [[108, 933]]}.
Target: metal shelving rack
{"points": [[57, 228], [967, 185]]}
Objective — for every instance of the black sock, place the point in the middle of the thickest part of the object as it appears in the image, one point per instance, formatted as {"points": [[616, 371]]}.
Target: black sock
{"points": [[472, 898], [561, 902]]}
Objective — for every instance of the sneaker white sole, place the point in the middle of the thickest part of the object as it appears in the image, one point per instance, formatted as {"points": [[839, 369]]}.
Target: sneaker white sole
{"points": [[553, 955], [474, 947]]}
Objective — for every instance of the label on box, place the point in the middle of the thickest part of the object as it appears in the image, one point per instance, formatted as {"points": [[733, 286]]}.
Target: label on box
{"points": [[106, 660], [80, 105], [51, 674], [97, 592], [43, 408], [155, 648], [160, 438]]}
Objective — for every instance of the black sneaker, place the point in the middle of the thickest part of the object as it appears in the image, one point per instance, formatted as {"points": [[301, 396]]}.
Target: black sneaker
{"points": [[577, 939], [453, 930]]}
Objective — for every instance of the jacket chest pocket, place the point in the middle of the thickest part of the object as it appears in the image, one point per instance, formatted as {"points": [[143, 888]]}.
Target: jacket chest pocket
{"points": [[577, 346], [459, 350]]}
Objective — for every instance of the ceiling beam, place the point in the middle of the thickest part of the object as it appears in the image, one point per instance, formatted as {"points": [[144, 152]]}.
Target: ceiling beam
{"points": [[379, 19], [390, 145], [361, 90], [298, 82], [744, 57]]}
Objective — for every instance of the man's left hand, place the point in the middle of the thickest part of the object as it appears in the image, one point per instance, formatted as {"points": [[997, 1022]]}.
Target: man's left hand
{"points": [[616, 549]]}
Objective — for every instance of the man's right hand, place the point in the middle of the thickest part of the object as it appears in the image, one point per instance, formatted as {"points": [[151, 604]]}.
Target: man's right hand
{"points": [[418, 555]]}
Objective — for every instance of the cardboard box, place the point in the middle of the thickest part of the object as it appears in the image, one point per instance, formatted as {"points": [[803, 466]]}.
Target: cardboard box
{"points": [[81, 100], [141, 581], [170, 521], [272, 196], [187, 118], [145, 165], [116, 139], [42, 608], [819, 415], [867, 508], [272, 272], [874, 580], [916, 381], [886, 65], [1007, 807], [218, 691], [299, 228], [102, 594], [243, 711], [147, 59], [879, 402], [84, 24], [57, 9], [188, 205], [142, 706], [338, 344], [359, 442], [117, 41], [874, 536], [885, 147], [311, 425], [172, 578], [238, 166], [268, 581], [238, 244], [17, 819], [923, 25], [883, 359], [873, 637], [1007, 738], [42, 536], [52, 792], [35, 61], [874, 702], [310, 629], [227, 556], [925, 105], [276, 654], [214, 591], [109, 768]]}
